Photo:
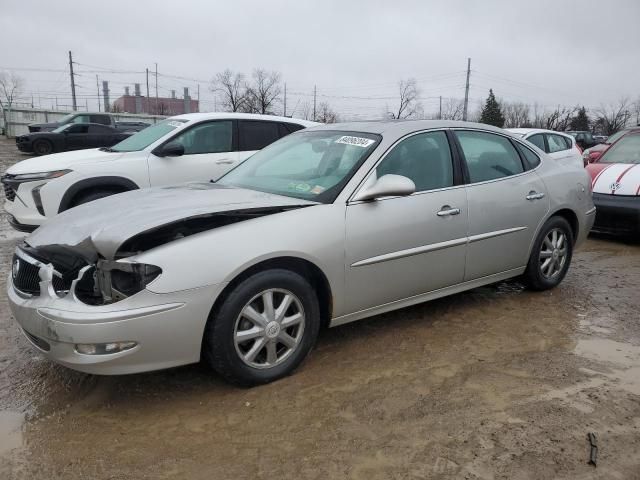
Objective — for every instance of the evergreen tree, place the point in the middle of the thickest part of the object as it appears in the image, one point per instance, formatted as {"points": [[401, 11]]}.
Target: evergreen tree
{"points": [[580, 121], [491, 113]]}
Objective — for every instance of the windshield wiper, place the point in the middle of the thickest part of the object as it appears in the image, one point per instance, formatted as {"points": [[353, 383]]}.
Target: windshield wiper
{"points": [[106, 149]]}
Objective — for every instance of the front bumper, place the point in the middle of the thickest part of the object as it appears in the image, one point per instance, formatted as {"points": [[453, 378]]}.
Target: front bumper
{"points": [[21, 227], [24, 145], [617, 214], [167, 328], [20, 205]]}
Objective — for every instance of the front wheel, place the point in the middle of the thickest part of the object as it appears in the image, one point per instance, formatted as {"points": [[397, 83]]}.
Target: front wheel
{"points": [[550, 256], [264, 328], [42, 147], [90, 196]]}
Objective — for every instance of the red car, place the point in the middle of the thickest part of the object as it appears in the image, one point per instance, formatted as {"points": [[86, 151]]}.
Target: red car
{"points": [[592, 154], [615, 181]]}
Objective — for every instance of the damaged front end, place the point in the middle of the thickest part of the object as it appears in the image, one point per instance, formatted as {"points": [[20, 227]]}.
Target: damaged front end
{"points": [[99, 272], [57, 271]]}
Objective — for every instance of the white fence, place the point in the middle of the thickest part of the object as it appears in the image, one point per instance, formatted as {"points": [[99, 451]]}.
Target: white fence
{"points": [[19, 119]]}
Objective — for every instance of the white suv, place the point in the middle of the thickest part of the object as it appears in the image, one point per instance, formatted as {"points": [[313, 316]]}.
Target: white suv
{"points": [[191, 147]]}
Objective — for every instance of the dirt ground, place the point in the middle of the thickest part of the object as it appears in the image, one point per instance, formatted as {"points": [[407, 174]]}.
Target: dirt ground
{"points": [[498, 382]]}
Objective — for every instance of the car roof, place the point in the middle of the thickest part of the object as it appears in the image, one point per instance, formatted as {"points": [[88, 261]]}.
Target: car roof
{"points": [[402, 127], [527, 131], [242, 116]]}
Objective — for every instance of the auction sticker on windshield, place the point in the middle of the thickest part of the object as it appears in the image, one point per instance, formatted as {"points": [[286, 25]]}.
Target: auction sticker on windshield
{"points": [[357, 141]]}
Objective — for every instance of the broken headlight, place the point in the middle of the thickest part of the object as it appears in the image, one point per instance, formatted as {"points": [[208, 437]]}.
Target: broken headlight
{"points": [[132, 282], [118, 280]]}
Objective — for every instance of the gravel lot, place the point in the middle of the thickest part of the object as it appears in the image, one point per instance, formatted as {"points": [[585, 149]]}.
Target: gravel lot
{"points": [[498, 382]]}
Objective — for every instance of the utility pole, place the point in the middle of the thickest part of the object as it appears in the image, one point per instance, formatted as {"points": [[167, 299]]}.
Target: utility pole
{"points": [[440, 115], [98, 88], [285, 99], [147, 106], [73, 83], [156, 88], [466, 91], [198, 107], [314, 103]]}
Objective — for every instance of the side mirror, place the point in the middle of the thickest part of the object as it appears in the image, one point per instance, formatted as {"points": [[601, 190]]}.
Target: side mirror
{"points": [[171, 149], [387, 186]]}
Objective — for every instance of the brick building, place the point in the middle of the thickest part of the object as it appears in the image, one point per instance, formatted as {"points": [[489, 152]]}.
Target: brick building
{"points": [[161, 106]]}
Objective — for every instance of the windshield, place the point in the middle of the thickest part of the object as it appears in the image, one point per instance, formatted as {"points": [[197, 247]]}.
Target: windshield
{"points": [[615, 137], [307, 165], [66, 118], [62, 128], [144, 138], [627, 150]]}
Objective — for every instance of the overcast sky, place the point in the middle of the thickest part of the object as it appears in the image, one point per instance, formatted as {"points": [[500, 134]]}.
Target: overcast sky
{"points": [[549, 52]]}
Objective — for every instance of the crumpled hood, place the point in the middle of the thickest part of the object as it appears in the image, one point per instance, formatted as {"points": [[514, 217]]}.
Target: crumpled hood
{"points": [[102, 226], [60, 161]]}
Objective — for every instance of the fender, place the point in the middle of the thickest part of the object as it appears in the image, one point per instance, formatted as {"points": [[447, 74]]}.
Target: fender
{"points": [[71, 192]]}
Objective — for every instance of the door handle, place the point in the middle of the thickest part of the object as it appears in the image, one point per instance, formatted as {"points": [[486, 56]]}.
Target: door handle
{"points": [[224, 161], [447, 211], [533, 195]]}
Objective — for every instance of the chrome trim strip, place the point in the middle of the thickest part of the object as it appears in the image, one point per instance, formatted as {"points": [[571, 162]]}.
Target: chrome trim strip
{"points": [[410, 252], [497, 233], [434, 247], [590, 211]]}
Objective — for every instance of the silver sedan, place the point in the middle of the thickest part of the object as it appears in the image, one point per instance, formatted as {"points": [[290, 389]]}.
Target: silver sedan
{"points": [[326, 226]]}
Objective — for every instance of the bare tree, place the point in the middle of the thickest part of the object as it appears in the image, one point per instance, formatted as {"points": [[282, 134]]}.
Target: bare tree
{"points": [[452, 109], [305, 109], [613, 117], [409, 104], [10, 87], [263, 93], [516, 114], [636, 110], [326, 114], [231, 87], [558, 119]]}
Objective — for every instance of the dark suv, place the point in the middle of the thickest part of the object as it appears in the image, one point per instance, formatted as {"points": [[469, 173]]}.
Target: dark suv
{"points": [[584, 139]]}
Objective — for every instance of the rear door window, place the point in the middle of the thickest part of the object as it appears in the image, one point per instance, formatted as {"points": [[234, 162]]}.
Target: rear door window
{"points": [[103, 119], [557, 143], [256, 134], [489, 156], [538, 141], [531, 159]]}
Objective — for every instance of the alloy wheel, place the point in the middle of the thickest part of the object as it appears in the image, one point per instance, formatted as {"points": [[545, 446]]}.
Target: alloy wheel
{"points": [[269, 328], [553, 253]]}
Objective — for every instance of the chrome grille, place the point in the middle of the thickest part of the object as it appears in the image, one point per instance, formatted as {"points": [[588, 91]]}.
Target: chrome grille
{"points": [[26, 277]]}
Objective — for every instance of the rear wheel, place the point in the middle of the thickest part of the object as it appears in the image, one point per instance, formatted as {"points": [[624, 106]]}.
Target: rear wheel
{"points": [[551, 255], [264, 328], [42, 147]]}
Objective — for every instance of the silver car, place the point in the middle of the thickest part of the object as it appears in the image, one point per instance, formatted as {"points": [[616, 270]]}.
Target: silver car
{"points": [[326, 226]]}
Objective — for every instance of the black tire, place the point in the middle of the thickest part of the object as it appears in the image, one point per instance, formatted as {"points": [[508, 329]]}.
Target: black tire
{"points": [[219, 346], [534, 276], [42, 147], [86, 197]]}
